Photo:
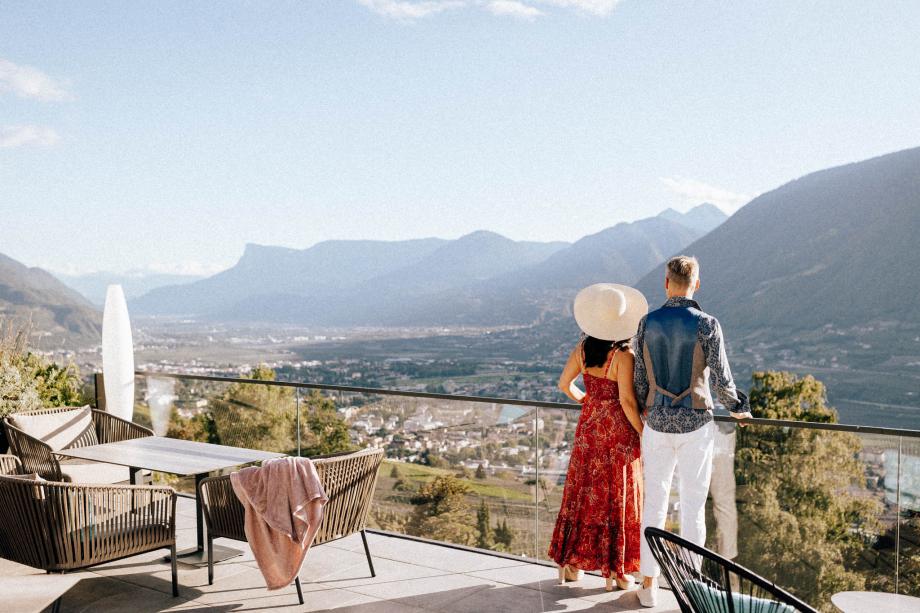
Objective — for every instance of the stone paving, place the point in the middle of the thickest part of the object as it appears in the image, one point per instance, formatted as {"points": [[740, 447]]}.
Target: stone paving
{"points": [[411, 576]]}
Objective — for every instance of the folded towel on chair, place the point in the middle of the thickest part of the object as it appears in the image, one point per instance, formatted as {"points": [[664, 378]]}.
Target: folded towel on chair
{"points": [[284, 502]]}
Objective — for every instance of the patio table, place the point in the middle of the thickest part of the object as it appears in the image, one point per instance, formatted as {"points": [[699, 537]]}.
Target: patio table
{"points": [[177, 457], [874, 602]]}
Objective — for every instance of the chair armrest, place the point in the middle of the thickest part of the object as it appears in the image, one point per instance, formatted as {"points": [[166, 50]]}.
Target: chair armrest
{"points": [[111, 429], [36, 456], [10, 465]]}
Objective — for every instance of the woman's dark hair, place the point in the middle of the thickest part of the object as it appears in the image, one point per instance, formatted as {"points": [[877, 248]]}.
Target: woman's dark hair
{"points": [[597, 350]]}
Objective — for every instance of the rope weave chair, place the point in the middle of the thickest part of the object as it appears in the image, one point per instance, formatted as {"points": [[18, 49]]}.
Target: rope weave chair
{"points": [[704, 582], [348, 478], [59, 527], [38, 457], [10, 465]]}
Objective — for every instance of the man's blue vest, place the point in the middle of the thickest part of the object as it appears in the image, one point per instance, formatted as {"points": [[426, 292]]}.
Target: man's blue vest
{"points": [[677, 372]]}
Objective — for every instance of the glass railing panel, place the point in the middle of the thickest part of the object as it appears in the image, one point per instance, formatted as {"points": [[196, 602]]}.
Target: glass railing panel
{"points": [[556, 430], [908, 533], [455, 470], [816, 510], [250, 415]]}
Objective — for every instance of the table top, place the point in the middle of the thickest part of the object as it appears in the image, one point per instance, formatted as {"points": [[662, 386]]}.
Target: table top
{"points": [[874, 602], [28, 593], [169, 455]]}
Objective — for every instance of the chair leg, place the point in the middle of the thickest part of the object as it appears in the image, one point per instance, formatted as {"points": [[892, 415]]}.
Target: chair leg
{"points": [[367, 552], [175, 573], [299, 591], [210, 560]]}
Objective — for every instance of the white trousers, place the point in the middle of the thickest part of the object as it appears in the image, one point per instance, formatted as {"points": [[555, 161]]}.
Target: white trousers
{"points": [[722, 492], [691, 454]]}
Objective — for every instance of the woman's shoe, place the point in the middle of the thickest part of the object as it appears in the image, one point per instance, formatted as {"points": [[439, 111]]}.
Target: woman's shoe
{"points": [[626, 582], [573, 574], [609, 586], [562, 575]]}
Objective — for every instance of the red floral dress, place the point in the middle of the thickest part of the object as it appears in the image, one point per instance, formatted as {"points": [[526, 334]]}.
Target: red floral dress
{"points": [[599, 522]]}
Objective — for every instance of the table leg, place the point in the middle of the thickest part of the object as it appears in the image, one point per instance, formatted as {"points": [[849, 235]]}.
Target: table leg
{"points": [[135, 473]]}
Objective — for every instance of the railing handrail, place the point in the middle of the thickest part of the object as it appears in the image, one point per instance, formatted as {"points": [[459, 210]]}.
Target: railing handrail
{"points": [[544, 404]]}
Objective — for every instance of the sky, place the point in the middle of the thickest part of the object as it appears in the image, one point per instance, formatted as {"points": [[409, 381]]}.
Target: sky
{"points": [[165, 136]]}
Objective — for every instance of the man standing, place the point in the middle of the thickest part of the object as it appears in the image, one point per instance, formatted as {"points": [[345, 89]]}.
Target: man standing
{"points": [[679, 353]]}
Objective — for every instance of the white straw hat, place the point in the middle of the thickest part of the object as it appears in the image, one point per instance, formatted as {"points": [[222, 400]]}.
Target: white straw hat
{"points": [[610, 311]]}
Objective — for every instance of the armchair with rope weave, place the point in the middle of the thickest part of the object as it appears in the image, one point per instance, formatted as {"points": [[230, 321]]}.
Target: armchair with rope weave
{"points": [[348, 478], [61, 527], [39, 457]]}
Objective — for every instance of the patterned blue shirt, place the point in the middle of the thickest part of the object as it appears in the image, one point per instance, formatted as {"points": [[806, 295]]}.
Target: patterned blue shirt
{"points": [[681, 419]]}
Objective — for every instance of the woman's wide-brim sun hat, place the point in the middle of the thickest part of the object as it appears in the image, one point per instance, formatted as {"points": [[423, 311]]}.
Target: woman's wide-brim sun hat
{"points": [[610, 311]]}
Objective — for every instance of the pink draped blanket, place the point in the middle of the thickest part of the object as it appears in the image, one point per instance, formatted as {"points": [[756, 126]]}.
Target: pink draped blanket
{"points": [[284, 502]]}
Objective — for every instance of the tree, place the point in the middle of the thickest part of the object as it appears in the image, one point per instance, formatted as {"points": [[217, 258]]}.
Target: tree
{"points": [[480, 472], [199, 427], [433, 460], [264, 417], [322, 430], [484, 526], [442, 513], [256, 416], [881, 558], [394, 472], [503, 536], [802, 498]]}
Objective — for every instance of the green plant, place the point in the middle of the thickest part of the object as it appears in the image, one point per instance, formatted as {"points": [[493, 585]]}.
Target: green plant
{"points": [[28, 381]]}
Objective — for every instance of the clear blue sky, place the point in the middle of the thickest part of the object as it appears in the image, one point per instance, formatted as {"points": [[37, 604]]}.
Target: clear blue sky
{"points": [[168, 135]]}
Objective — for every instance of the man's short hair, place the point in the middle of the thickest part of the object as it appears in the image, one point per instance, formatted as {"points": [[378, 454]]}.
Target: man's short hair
{"points": [[683, 270]]}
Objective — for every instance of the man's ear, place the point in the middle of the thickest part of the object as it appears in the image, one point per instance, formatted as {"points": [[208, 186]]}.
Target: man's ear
{"points": [[697, 285], [666, 284]]}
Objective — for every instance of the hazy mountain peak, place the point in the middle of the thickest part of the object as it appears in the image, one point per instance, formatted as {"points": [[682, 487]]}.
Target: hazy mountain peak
{"points": [[483, 236], [708, 208], [671, 213], [703, 217]]}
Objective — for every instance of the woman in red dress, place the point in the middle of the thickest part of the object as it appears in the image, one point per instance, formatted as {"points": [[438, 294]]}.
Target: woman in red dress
{"points": [[599, 522]]}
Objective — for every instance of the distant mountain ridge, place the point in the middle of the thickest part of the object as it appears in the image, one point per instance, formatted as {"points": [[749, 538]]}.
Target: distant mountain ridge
{"points": [[835, 247], [93, 286], [58, 314], [481, 278]]}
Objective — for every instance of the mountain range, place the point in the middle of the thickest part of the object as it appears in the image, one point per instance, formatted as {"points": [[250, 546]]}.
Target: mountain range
{"points": [[833, 248], [480, 278], [93, 285], [57, 314]]}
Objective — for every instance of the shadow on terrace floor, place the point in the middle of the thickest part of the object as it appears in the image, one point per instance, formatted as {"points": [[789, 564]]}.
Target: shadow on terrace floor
{"points": [[411, 576]]}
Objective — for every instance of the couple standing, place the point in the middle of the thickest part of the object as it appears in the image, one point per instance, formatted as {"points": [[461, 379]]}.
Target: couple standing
{"points": [[664, 375]]}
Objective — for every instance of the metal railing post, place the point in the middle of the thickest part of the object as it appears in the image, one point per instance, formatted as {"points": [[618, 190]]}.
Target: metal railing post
{"points": [[99, 384], [536, 488], [897, 528], [297, 396]]}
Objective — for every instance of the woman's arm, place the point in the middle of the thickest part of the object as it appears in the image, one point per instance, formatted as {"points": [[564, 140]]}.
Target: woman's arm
{"points": [[625, 364], [569, 374]]}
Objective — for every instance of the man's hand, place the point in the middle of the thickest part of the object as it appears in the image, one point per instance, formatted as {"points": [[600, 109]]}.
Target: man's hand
{"points": [[739, 417]]}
